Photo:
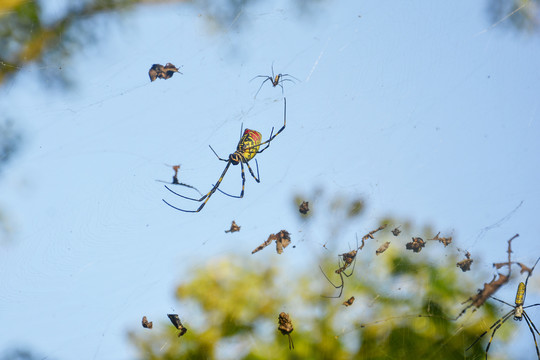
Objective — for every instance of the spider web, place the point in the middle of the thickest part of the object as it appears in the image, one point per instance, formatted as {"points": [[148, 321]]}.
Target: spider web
{"points": [[403, 107]]}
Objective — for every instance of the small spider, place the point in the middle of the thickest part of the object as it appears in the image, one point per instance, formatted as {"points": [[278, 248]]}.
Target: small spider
{"points": [[348, 259], [286, 327], [247, 148], [276, 80], [518, 310]]}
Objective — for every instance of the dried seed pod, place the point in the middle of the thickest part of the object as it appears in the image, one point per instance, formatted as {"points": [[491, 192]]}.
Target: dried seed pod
{"points": [[382, 248]]}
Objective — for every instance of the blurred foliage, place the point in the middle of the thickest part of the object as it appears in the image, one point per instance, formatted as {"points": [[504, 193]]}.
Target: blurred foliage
{"points": [[20, 354], [10, 142], [405, 306], [521, 15], [29, 36]]}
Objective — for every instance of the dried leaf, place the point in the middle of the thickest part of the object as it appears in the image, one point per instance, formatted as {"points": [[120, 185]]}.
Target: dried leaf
{"points": [[234, 228], [282, 239], [177, 324], [304, 207], [415, 245], [369, 235], [146, 324], [465, 264], [162, 72], [349, 302], [445, 240]]}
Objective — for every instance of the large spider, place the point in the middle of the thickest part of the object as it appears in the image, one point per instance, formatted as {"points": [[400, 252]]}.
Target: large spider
{"points": [[518, 310], [247, 148], [276, 80]]}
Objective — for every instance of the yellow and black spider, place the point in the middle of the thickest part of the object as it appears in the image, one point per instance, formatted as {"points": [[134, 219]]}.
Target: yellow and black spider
{"points": [[276, 80], [247, 148], [518, 310]]}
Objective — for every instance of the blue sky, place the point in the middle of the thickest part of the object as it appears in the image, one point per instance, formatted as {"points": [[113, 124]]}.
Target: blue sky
{"points": [[410, 105]]}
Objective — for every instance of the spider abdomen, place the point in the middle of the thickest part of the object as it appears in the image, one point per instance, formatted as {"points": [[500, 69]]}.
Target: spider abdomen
{"points": [[249, 144], [520, 294]]}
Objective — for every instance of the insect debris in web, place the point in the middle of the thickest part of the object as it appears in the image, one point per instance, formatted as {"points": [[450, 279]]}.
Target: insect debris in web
{"points": [[444, 240], [518, 310], [382, 248], [349, 302], [286, 327], [490, 288], [282, 239], [146, 324], [370, 234], [234, 228], [162, 72], [304, 207], [416, 244], [396, 231], [175, 181], [524, 268], [465, 264], [177, 324]]}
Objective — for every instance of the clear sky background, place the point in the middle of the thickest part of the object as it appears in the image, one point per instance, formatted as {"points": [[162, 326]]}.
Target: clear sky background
{"points": [[423, 109]]}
